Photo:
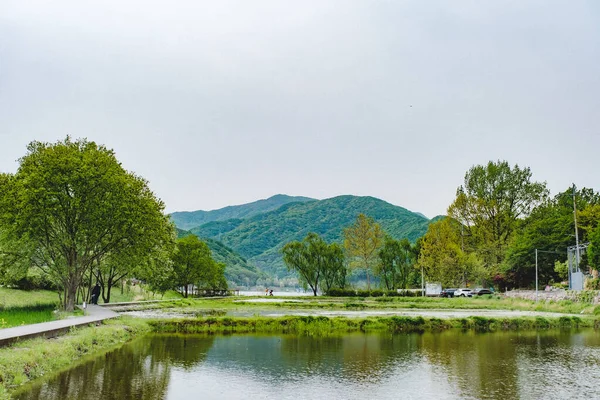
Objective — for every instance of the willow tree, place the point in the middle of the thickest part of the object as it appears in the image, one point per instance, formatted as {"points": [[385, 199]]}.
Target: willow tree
{"points": [[75, 205], [318, 264], [362, 241]]}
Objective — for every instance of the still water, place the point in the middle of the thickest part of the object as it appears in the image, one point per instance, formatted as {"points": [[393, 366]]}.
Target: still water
{"points": [[448, 365]]}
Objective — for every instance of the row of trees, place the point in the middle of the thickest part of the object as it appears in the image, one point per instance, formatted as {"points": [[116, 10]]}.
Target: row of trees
{"points": [[497, 220], [72, 213], [324, 266]]}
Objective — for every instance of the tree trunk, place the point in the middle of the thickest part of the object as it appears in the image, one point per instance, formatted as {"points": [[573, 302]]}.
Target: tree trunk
{"points": [[368, 280], [107, 299], [71, 294], [186, 291]]}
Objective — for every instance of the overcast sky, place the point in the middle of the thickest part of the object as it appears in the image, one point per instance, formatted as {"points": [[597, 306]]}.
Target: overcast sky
{"points": [[226, 102]]}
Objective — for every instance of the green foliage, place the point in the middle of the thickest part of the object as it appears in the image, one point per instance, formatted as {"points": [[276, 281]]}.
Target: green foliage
{"points": [[594, 248], [362, 241], [71, 205], [335, 292], [323, 326], [193, 264], [192, 219], [32, 359], [237, 268], [396, 261], [561, 269], [260, 238], [550, 228], [25, 315], [442, 258], [490, 204], [318, 264]]}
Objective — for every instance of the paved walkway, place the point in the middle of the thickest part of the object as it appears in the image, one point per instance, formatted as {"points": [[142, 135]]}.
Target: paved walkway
{"points": [[93, 314]]}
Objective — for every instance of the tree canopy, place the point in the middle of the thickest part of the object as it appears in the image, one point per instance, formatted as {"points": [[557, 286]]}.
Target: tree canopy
{"points": [[489, 205], [318, 264], [362, 241], [193, 264], [396, 260], [74, 205]]}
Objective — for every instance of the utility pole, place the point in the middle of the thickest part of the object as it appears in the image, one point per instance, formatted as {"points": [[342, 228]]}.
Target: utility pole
{"points": [[576, 234], [422, 282], [536, 275]]}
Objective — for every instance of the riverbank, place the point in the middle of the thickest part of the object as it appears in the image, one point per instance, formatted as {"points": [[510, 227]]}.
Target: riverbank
{"points": [[323, 326], [32, 359]]}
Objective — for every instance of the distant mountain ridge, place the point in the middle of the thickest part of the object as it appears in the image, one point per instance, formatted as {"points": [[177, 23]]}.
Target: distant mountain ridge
{"points": [[191, 219], [258, 238]]}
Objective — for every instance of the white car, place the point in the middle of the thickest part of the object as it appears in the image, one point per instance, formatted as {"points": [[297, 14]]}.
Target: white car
{"points": [[463, 293]]}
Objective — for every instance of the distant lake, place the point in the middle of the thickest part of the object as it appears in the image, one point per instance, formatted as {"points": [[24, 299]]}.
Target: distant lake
{"points": [[448, 365]]}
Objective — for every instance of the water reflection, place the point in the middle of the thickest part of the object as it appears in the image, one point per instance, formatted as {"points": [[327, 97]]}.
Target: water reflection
{"points": [[449, 365]]}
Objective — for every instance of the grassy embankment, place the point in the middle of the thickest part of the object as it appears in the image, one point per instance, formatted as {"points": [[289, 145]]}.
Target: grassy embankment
{"points": [[31, 359], [322, 326]]}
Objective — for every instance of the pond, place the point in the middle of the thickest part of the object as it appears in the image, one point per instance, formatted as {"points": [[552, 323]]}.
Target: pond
{"points": [[447, 365]]}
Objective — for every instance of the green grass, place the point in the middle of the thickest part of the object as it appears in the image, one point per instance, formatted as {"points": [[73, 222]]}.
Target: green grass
{"points": [[20, 298], [31, 359], [16, 316], [323, 326], [380, 304]]}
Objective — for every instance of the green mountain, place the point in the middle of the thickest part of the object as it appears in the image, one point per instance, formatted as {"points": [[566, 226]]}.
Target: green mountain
{"points": [[192, 219], [237, 269], [259, 238]]}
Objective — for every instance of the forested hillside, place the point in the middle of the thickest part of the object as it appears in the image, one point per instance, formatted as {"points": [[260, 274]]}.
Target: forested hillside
{"points": [[260, 237], [192, 219]]}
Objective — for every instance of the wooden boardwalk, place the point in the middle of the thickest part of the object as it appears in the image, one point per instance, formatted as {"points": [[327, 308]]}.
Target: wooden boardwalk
{"points": [[93, 314]]}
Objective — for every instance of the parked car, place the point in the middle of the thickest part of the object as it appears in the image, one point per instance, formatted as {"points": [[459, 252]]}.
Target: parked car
{"points": [[447, 293], [463, 293], [481, 291]]}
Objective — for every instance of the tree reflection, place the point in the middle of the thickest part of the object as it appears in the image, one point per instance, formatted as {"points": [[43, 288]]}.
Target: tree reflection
{"points": [[138, 370]]}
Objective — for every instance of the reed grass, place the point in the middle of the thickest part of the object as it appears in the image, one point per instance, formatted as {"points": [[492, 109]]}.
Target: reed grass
{"points": [[322, 326]]}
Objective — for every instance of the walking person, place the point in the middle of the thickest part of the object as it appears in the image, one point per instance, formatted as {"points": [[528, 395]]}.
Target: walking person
{"points": [[95, 293]]}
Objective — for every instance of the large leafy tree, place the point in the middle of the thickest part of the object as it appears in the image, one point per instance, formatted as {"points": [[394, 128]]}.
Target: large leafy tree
{"points": [[362, 241], [396, 259], [193, 264], [442, 257], [549, 228], [74, 205], [318, 264], [490, 204]]}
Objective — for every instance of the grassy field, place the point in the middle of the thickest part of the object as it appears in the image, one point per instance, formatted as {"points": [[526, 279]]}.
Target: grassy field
{"points": [[15, 316], [20, 298], [21, 307], [223, 305]]}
